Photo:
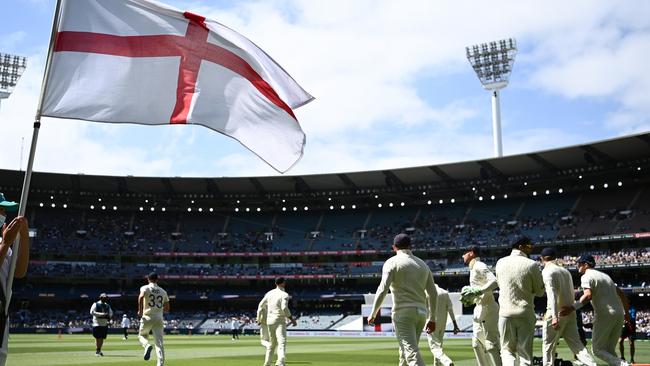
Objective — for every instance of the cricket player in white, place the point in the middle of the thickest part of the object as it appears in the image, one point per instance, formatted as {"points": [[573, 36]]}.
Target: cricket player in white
{"points": [[520, 280], [610, 310], [435, 339], [152, 302], [276, 305], [559, 294], [126, 323], [414, 299], [485, 329]]}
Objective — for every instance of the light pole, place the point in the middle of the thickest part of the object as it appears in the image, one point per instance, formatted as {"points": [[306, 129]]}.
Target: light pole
{"points": [[492, 63], [11, 68]]}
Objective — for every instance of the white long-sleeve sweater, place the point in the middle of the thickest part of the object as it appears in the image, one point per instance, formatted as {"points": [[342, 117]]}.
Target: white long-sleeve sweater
{"points": [[520, 280], [410, 282], [559, 288], [274, 307]]}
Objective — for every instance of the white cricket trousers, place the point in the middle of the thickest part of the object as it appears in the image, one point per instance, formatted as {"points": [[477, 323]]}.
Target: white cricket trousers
{"points": [[156, 326], [567, 329], [485, 335], [409, 324], [277, 339], [517, 339], [435, 345], [605, 335]]}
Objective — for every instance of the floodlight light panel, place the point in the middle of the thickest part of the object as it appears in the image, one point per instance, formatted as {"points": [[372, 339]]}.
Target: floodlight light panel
{"points": [[493, 62], [11, 68]]}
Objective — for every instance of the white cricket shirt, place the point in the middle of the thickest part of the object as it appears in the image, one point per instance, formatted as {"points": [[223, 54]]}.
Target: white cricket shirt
{"points": [[276, 303], [604, 297], [520, 280], [410, 282], [154, 300], [559, 288], [481, 277]]}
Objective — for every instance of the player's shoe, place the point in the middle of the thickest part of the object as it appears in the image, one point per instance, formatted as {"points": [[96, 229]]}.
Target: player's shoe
{"points": [[98, 354], [124, 338], [147, 352]]}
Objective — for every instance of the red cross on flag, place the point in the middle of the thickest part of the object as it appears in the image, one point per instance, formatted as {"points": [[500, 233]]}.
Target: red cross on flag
{"points": [[140, 61]]}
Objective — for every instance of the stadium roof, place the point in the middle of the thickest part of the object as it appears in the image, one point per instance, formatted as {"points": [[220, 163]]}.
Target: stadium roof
{"points": [[603, 153]]}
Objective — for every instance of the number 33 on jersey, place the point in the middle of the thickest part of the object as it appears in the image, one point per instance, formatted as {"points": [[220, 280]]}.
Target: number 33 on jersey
{"points": [[154, 299]]}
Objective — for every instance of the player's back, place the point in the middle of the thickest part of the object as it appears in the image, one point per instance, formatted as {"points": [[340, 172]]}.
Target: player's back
{"points": [[155, 298], [410, 281], [277, 305], [518, 284], [604, 297], [561, 283]]}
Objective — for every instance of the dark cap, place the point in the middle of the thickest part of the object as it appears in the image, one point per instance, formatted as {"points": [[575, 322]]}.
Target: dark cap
{"points": [[520, 240], [549, 252], [588, 259], [402, 241], [473, 248], [153, 276], [279, 280]]}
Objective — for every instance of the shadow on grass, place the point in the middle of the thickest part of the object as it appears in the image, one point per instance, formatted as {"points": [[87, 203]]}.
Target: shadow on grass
{"points": [[121, 356]]}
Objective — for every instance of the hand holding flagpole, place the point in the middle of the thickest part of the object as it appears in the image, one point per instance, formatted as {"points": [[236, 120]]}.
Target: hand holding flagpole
{"points": [[30, 161]]}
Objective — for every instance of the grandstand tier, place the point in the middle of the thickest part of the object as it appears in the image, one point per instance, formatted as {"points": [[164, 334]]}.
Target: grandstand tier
{"points": [[218, 243]]}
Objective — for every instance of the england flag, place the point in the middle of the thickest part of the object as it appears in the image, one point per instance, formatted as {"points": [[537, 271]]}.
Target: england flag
{"points": [[140, 61]]}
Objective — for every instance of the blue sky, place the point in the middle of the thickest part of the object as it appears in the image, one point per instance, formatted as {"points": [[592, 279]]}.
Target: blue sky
{"points": [[392, 85]]}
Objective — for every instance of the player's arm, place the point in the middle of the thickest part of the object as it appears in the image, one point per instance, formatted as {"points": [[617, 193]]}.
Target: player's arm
{"points": [[140, 303], [432, 303], [284, 307], [9, 234], [23, 251], [550, 293], [450, 312], [261, 308], [538, 282], [387, 274], [626, 304], [586, 296], [95, 313], [166, 307], [582, 301], [490, 281]]}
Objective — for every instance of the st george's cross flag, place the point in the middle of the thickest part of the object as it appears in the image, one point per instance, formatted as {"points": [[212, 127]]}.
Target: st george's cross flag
{"points": [[140, 61]]}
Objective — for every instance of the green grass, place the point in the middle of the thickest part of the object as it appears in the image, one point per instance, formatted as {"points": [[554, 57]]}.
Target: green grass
{"points": [[41, 350]]}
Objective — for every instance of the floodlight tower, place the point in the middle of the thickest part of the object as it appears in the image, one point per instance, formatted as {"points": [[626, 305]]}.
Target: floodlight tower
{"points": [[11, 68], [492, 63]]}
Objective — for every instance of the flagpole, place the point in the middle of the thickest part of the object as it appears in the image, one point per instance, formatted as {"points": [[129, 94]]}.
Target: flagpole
{"points": [[32, 152]]}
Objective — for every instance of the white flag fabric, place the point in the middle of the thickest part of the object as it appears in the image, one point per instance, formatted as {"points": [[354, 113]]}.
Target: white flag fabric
{"points": [[140, 61]]}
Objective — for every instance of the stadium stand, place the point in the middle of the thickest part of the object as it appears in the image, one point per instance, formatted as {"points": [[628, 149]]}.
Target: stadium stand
{"points": [[218, 243]]}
